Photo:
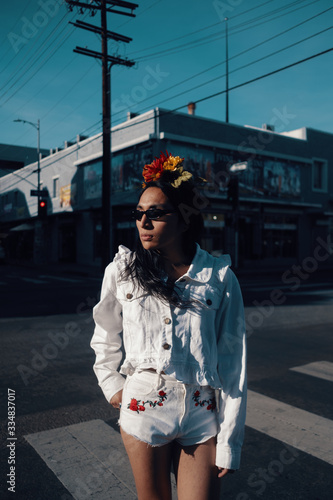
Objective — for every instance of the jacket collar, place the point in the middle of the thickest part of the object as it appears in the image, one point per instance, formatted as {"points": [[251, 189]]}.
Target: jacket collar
{"points": [[201, 267]]}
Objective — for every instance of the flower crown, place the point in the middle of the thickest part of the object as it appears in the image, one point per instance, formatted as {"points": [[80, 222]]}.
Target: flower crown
{"points": [[168, 166]]}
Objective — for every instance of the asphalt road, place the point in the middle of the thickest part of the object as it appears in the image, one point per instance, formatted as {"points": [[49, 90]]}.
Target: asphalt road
{"points": [[46, 359]]}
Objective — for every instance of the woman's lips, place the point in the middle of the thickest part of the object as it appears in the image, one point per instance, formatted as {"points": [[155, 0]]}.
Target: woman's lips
{"points": [[146, 237]]}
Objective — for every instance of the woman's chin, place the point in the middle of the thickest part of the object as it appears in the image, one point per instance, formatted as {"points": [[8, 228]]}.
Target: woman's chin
{"points": [[148, 245]]}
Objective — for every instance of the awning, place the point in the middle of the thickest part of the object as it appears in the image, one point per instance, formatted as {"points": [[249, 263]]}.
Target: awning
{"points": [[23, 227]]}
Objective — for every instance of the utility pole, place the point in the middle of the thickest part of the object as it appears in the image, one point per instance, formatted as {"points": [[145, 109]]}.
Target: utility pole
{"points": [[105, 6], [37, 127], [226, 73]]}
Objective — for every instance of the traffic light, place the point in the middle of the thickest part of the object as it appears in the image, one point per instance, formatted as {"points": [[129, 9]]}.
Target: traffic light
{"points": [[233, 191], [42, 208]]}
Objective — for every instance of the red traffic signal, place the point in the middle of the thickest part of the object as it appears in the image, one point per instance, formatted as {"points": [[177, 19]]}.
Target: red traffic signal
{"points": [[42, 208]]}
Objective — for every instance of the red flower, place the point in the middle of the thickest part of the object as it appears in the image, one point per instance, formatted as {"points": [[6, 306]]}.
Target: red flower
{"points": [[160, 404], [162, 394], [196, 404], [209, 407], [141, 408], [197, 394], [154, 170], [133, 405]]}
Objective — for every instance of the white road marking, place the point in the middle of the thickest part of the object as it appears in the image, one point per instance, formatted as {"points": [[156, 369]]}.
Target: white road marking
{"points": [[295, 427], [89, 459], [320, 369]]}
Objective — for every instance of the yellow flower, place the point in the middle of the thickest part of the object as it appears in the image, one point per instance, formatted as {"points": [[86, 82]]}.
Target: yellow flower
{"points": [[172, 163], [184, 176]]}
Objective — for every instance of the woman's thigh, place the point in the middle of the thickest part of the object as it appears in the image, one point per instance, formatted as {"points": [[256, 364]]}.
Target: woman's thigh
{"points": [[196, 472], [151, 468]]}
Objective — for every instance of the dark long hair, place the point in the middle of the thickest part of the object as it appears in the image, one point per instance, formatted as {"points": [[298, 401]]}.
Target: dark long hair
{"points": [[147, 267]]}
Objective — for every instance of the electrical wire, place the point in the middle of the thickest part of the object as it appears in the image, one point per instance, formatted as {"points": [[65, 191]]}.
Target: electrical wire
{"points": [[215, 36], [13, 26], [237, 69], [218, 63], [34, 55], [211, 96], [28, 79], [197, 31], [288, 66], [210, 37], [223, 62]]}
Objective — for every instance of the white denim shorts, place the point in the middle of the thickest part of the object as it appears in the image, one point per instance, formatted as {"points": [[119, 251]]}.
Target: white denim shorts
{"points": [[158, 409]]}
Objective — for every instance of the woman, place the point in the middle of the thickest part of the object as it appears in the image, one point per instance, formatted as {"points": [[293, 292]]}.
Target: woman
{"points": [[171, 320]]}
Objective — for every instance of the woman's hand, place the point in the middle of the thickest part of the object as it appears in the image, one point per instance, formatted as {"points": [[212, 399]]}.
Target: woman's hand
{"points": [[116, 399], [223, 472]]}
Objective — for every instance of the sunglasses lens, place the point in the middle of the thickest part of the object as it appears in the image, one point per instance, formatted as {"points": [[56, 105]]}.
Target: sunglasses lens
{"points": [[137, 214], [151, 214], [154, 213]]}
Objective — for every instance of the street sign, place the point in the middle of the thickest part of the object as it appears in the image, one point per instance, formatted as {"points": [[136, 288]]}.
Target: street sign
{"points": [[41, 194]]}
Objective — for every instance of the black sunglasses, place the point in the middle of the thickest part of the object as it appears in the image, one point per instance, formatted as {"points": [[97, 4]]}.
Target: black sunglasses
{"points": [[151, 213]]}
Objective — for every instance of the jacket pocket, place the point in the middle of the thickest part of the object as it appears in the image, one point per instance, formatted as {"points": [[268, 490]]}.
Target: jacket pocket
{"points": [[204, 298]]}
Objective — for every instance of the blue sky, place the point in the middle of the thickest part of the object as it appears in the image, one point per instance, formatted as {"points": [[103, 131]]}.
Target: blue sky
{"points": [[179, 49]]}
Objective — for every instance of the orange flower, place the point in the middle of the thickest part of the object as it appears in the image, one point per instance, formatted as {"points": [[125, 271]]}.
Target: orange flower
{"points": [[153, 171]]}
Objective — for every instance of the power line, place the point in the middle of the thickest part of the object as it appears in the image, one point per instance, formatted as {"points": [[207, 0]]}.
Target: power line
{"points": [[215, 36], [211, 96], [266, 75], [237, 69], [218, 64], [180, 37], [197, 31], [48, 57], [13, 26], [34, 54]]}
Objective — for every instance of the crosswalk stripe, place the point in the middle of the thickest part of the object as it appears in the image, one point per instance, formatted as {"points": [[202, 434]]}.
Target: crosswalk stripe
{"points": [[320, 369], [295, 427], [89, 459]]}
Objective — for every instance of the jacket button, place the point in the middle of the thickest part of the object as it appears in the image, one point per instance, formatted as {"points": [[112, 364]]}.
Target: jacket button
{"points": [[166, 346], [167, 321], [129, 296], [209, 302]]}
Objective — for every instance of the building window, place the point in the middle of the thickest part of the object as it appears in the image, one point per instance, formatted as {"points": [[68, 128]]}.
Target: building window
{"points": [[55, 187], [319, 175]]}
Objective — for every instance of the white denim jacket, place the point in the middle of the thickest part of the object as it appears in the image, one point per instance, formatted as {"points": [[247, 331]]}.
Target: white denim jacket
{"points": [[204, 345]]}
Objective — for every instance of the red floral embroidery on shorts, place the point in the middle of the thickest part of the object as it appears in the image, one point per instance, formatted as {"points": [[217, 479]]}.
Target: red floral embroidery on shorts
{"points": [[138, 405], [211, 402]]}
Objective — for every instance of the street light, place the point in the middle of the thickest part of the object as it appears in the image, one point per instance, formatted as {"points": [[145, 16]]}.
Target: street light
{"points": [[36, 126], [233, 196]]}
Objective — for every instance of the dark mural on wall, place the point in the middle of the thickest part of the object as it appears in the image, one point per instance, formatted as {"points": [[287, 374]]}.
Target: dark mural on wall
{"points": [[263, 176], [126, 173], [273, 178]]}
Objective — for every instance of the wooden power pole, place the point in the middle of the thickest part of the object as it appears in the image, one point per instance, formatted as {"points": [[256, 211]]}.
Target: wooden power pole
{"points": [[105, 6]]}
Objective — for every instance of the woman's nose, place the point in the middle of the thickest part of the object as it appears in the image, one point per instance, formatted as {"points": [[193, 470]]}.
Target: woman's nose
{"points": [[145, 221]]}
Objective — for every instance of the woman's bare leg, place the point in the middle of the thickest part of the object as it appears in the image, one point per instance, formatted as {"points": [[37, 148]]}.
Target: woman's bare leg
{"points": [[196, 472], [151, 468]]}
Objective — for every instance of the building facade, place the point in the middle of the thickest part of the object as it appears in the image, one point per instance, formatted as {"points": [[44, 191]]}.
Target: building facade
{"points": [[275, 213]]}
